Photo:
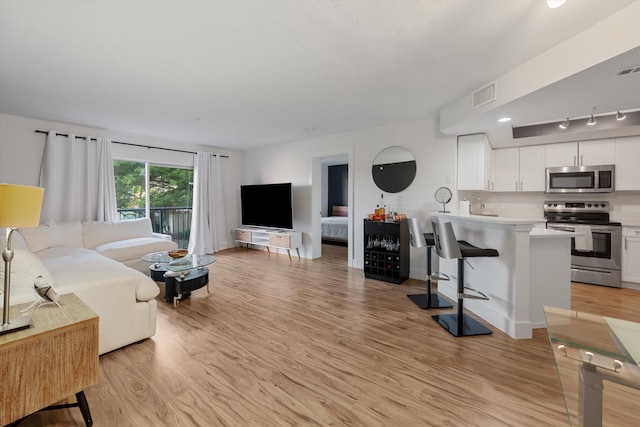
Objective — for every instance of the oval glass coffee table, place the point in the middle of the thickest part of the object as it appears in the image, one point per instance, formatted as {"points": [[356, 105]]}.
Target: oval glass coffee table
{"points": [[180, 275]]}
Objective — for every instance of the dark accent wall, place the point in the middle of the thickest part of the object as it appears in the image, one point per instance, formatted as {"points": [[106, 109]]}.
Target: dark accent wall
{"points": [[338, 187]]}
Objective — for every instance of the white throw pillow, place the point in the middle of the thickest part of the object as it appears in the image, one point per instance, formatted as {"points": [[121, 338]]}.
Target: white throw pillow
{"points": [[25, 267], [100, 232], [71, 233], [42, 237]]}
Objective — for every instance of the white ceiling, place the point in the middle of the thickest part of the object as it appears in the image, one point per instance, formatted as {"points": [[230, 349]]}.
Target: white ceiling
{"points": [[246, 73]]}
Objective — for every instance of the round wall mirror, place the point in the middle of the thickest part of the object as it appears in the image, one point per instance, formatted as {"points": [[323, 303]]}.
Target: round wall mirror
{"points": [[394, 169]]}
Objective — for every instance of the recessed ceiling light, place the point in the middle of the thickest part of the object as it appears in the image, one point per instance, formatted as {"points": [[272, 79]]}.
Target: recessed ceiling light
{"points": [[310, 129], [555, 3], [504, 119]]}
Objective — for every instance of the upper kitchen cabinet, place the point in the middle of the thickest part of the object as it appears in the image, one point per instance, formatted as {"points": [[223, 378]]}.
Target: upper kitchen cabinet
{"points": [[627, 153], [595, 152], [475, 163], [520, 169]]}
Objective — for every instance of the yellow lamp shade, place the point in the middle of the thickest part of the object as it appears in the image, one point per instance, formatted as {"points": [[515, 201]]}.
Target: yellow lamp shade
{"points": [[20, 205]]}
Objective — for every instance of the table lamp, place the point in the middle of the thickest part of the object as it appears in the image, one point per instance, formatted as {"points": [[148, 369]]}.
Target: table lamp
{"points": [[19, 207]]}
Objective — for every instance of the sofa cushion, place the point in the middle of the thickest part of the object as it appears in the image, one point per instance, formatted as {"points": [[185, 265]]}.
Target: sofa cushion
{"points": [[25, 268], [81, 267], [125, 250], [71, 233], [96, 233], [43, 236]]}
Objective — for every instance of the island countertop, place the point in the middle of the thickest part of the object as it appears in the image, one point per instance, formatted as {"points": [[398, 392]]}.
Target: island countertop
{"points": [[491, 219], [533, 269]]}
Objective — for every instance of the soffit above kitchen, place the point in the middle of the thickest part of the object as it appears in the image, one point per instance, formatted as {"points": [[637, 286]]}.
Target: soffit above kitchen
{"points": [[248, 73], [596, 72]]}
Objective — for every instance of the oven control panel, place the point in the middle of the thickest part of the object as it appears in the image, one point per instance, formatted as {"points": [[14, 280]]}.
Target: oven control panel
{"points": [[564, 206]]}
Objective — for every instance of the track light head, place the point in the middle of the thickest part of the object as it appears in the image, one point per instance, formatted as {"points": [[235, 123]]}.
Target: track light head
{"points": [[620, 116], [564, 124], [592, 121]]}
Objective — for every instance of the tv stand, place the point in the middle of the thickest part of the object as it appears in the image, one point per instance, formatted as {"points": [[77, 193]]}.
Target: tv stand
{"points": [[269, 238]]}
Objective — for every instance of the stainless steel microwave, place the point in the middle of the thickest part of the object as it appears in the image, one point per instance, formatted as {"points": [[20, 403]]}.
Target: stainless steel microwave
{"points": [[580, 179]]}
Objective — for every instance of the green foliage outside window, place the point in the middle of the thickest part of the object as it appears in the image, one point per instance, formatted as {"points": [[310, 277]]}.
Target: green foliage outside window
{"points": [[168, 186], [130, 183]]}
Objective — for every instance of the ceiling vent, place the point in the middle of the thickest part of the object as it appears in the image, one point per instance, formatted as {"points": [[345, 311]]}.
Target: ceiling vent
{"points": [[629, 70], [484, 95]]}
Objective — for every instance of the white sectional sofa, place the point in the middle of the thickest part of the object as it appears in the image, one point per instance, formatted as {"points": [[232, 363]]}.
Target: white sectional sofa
{"points": [[101, 263]]}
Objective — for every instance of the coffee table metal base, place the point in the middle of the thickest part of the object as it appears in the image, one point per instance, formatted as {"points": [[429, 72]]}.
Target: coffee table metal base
{"points": [[179, 288]]}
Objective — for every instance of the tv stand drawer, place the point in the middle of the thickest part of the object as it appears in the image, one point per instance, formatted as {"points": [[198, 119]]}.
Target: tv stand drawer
{"points": [[242, 236], [270, 238], [280, 240]]}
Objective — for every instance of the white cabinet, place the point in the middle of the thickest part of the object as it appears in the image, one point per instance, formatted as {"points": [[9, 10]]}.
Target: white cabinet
{"points": [[475, 163], [595, 152], [627, 153], [631, 254], [269, 238], [520, 169]]}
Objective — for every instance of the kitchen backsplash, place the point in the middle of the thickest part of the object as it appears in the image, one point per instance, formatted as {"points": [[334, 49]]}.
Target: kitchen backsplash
{"points": [[625, 206]]}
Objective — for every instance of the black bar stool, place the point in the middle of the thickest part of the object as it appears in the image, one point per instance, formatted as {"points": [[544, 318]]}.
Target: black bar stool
{"points": [[419, 239], [446, 245]]}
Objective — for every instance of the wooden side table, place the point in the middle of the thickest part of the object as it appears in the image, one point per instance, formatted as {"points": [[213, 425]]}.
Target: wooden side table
{"points": [[55, 358]]}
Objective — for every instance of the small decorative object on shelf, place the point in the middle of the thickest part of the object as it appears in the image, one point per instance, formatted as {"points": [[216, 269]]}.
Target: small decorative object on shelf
{"points": [[380, 212], [443, 195], [384, 212], [45, 295]]}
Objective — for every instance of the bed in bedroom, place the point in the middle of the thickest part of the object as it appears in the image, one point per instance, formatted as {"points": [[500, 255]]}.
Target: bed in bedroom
{"points": [[334, 227]]}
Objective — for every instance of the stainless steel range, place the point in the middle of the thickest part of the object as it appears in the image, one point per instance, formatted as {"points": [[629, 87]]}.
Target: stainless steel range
{"points": [[596, 261]]}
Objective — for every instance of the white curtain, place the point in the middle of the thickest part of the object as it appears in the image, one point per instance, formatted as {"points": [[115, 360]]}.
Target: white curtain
{"points": [[208, 224], [77, 176]]}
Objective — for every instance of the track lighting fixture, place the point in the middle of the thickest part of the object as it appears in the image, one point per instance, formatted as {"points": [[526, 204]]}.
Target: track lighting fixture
{"points": [[564, 124], [620, 116], [592, 121]]}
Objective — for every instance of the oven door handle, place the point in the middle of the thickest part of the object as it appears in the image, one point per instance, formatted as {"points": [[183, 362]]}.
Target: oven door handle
{"points": [[569, 229]]}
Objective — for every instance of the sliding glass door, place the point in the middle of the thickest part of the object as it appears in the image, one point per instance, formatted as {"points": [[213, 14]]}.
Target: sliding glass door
{"points": [[162, 193]]}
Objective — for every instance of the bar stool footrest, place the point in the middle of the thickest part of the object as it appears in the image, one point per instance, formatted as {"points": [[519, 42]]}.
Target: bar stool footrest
{"points": [[477, 295], [439, 276]]}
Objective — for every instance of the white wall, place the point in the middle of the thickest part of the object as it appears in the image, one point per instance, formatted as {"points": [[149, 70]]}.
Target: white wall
{"points": [[21, 152], [292, 162]]}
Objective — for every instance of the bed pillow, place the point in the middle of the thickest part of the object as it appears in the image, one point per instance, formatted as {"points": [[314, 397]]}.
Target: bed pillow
{"points": [[42, 237]]}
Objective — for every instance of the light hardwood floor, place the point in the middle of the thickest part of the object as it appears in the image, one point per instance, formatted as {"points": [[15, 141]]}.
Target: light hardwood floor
{"points": [[314, 343]]}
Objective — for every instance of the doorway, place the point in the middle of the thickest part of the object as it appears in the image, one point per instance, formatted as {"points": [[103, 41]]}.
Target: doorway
{"points": [[326, 203]]}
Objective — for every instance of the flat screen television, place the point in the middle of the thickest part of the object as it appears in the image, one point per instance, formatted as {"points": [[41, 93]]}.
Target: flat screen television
{"points": [[267, 205]]}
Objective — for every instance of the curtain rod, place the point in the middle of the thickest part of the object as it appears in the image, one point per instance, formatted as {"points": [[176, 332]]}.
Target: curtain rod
{"points": [[134, 145]]}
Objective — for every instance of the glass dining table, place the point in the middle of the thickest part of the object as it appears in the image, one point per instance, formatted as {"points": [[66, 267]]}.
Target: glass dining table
{"points": [[590, 350]]}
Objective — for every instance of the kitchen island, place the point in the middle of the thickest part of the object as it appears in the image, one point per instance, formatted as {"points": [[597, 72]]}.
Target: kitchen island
{"points": [[533, 269]]}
